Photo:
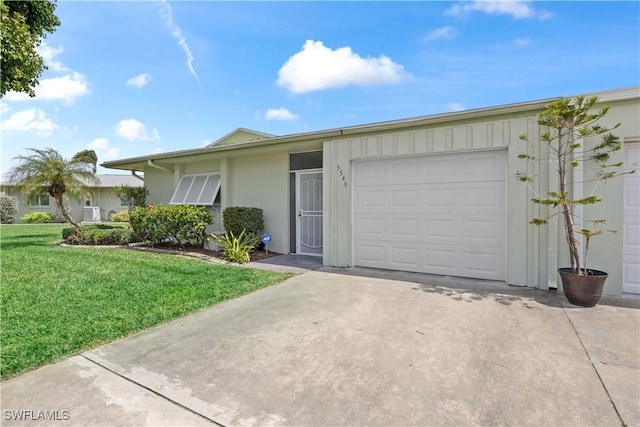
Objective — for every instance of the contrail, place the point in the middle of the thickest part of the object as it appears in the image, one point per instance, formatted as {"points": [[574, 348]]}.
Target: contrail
{"points": [[176, 32]]}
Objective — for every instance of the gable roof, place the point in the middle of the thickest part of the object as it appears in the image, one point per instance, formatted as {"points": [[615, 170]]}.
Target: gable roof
{"points": [[115, 180], [240, 135]]}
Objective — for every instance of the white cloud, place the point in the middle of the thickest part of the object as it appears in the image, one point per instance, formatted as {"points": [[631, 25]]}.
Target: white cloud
{"points": [[4, 108], [176, 32], [111, 153], [49, 54], [158, 150], [279, 114], [444, 33], [518, 9], [32, 119], [317, 67], [64, 88], [139, 80], [98, 144], [455, 106], [134, 130], [521, 42], [101, 146]]}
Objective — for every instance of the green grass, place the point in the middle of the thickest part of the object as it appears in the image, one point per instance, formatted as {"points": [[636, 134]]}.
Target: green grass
{"points": [[58, 301]]}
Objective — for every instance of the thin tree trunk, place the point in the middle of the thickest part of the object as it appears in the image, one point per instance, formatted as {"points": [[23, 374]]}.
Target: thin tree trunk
{"points": [[574, 253], [63, 210]]}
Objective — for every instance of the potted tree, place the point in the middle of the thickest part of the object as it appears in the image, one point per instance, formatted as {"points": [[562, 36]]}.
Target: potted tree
{"points": [[564, 144]]}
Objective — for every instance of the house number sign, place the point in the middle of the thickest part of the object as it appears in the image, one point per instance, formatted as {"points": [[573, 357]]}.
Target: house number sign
{"points": [[342, 176]]}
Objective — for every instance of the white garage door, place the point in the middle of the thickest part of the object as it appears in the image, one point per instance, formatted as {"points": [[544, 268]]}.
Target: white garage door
{"points": [[440, 214], [631, 227]]}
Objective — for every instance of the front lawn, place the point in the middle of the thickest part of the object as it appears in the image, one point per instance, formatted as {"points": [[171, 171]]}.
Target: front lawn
{"points": [[58, 301]]}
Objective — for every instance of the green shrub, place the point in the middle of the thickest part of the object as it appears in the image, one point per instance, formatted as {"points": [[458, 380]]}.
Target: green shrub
{"points": [[184, 224], [66, 232], [37, 218], [236, 249], [237, 219], [122, 216], [8, 209], [98, 235]]}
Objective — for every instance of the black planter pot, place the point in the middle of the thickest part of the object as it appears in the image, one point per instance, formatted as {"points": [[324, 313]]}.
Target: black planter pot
{"points": [[583, 289]]}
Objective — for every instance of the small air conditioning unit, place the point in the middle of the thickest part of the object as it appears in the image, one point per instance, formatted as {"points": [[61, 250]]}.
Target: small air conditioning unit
{"points": [[91, 214]]}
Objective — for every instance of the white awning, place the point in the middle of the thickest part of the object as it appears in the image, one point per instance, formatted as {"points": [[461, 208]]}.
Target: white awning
{"points": [[196, 189]]}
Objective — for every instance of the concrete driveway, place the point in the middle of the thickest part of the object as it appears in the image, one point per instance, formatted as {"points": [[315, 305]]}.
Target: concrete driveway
{"points": [[340, 349]]}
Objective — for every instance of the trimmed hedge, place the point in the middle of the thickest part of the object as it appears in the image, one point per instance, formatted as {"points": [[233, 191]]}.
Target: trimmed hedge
{"points": [[183, 224], [37, 218], [98, 234], [237, 219]]}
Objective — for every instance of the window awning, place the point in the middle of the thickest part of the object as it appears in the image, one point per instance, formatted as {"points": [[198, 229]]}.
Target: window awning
{"points": [[196, 189]]}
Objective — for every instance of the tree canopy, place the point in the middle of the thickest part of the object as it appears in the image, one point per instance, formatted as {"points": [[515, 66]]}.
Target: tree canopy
{"points": [[46, 170], [24, 25]]}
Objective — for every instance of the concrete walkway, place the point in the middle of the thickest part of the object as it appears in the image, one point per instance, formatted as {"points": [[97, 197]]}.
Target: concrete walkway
{"points": [[340, 349]]}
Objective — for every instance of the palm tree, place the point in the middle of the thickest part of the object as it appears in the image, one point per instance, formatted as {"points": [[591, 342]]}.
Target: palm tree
{"points": [[47, 169]]}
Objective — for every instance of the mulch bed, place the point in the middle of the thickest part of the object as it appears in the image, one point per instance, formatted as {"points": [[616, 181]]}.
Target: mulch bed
{"points": [[256, 255]]}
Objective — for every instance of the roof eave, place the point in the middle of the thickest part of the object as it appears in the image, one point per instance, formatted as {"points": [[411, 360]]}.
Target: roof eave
{"points": [[521, 107]]}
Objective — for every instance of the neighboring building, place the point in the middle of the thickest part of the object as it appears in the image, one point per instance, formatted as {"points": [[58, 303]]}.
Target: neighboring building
{"points": [[437, 194], [102, 198]]}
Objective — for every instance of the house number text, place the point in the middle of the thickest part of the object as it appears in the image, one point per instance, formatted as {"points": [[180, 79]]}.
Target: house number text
{"points": [[342, 176]]}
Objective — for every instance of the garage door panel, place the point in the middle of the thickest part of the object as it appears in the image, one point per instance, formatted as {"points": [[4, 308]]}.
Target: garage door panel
{"points": [[405, 199], [482, 263], [370, 228], [439, 169], [440, 228], [406, 170], [490, 231], [371, 254], [441, 214], [403, 227], [371, 173], [440, 260], [485, 167], [403, 257]]}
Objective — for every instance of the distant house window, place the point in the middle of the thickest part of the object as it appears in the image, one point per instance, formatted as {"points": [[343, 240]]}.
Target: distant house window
{"points": [[124, 201], [40, 200], [197, 189], [87, 201]]}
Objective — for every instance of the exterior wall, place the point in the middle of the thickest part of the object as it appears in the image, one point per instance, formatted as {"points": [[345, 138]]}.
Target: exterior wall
{"points": [[160, 184], [102, 197], [533, 253], [262, 181], [201, 167], [108, 202]]}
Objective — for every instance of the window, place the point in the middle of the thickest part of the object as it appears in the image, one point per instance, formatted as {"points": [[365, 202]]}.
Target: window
{"points": [[124, 201], [40, 200], [198, 189]]}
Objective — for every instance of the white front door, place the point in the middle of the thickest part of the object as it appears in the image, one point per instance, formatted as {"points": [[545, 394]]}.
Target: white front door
{"points": [[309, 212], [631, 225]]}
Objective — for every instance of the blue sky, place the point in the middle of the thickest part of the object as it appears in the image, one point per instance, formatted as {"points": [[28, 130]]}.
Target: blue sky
{"points": [[135, 78]]}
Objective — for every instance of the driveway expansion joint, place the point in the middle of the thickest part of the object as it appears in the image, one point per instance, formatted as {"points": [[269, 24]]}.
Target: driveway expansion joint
{"points": [[615, 408], [162, 396]]}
